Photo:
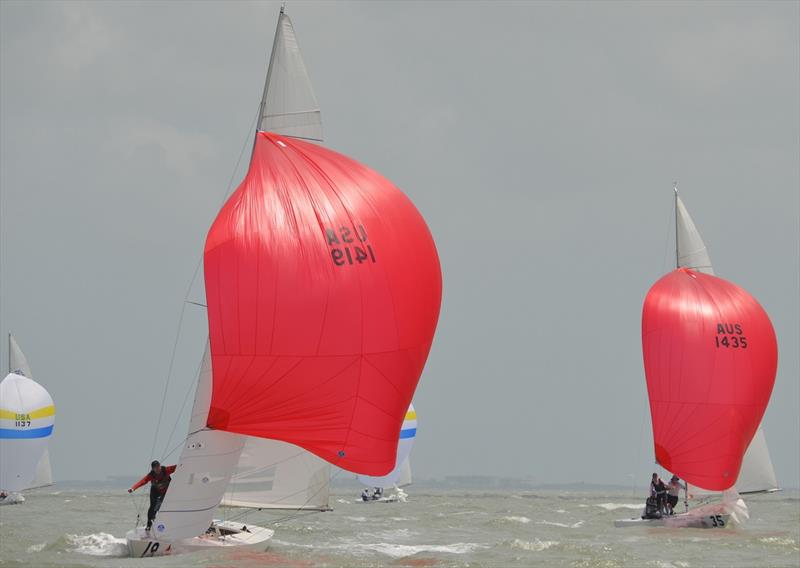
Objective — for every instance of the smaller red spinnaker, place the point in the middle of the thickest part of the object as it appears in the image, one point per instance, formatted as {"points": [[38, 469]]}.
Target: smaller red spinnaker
{"points": [[710, 358]]}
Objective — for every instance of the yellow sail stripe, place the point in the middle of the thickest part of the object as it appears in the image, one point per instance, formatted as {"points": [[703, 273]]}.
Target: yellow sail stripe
{"points": [[38, 413], [411, 415]]}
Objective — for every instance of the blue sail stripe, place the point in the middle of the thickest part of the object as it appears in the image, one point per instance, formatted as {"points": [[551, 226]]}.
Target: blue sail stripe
{"points": [[409, 433], [9, 433]]}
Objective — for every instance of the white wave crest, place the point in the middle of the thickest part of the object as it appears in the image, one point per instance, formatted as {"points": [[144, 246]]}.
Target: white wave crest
{"points": [[523, 520], [615, 506], [562, 525], [98, 544], [535, 546], [405, 550], [36, 547]]}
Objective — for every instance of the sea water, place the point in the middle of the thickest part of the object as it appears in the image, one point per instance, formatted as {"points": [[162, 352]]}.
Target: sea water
{"points": [[467, 528]]}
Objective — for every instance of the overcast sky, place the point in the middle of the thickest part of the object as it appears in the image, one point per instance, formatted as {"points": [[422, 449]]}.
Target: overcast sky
{"points": [[539, 140]]}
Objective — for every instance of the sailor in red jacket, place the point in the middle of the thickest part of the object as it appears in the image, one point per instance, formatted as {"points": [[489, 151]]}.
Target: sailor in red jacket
{"points": [[159, 478]]}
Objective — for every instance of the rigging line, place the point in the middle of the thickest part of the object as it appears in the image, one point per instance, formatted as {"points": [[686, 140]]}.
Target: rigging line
{"points": [[189, 291]]}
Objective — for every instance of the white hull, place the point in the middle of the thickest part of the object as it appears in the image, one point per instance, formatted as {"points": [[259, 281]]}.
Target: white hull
{"points": [[682, 521], [12, 499], [226, 534]]}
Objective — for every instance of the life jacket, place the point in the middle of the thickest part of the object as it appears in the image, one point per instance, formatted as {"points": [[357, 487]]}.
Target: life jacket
{"points": [[159, 482]]}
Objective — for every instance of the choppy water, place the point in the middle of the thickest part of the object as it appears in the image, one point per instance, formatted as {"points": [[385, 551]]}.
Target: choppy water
{"points": [[85, 528]]}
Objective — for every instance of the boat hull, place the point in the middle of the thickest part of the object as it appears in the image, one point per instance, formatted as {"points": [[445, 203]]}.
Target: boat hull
{"points": [[682, 521], [12, 499], [222, 534]]}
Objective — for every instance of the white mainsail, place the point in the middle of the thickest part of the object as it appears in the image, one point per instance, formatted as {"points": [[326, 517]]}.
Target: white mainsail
{"points": [[204, 469], [757, 474], [288, 105], [276, 475]]}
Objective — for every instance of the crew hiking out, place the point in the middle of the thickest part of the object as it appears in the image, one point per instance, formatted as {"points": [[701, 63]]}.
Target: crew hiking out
{"points": [[158, 477]]}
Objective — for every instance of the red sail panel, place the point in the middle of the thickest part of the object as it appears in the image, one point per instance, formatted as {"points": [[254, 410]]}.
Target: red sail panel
{"points": [[710, 358], [323, 287]]}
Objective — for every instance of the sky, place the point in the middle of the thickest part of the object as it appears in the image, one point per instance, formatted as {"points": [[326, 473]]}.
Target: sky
{"points": [[539, 140]]}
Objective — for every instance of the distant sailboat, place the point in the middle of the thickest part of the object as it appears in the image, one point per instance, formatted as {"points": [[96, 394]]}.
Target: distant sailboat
{"points": [[400, 476], [323, 289], [710, 357], [27, 416]]}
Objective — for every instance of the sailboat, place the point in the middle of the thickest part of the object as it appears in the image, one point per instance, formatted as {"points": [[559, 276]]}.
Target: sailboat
{"points": [[710, 356], [27, 417], [323, 290], [400, 476]]}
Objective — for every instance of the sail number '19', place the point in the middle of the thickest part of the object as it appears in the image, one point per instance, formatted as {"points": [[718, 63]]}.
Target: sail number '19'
{"points": [[349, 245], [729, 335]]}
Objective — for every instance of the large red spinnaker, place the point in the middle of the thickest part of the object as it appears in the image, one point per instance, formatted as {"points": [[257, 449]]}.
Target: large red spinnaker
{"points": [[710, 358], [323, 287]]}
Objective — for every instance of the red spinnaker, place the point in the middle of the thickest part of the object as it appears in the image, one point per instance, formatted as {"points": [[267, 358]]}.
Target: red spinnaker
{"points": [[323, 287], [710, 358]]}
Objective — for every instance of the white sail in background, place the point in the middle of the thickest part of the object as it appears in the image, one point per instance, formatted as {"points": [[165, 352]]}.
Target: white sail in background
{"points": [[288, 105], [44, 473], [17, 363], [408, 433], [277, 475], [405, 478], [757, 473], [27, 416]]}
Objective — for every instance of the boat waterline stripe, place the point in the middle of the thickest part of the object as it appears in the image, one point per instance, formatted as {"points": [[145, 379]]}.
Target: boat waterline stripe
{"points": [[411, 415], [410, 433], [38, 413], [11, 434]]}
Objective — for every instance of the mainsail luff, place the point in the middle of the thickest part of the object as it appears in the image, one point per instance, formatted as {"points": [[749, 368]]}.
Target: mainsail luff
{"points": [[757, 473]]}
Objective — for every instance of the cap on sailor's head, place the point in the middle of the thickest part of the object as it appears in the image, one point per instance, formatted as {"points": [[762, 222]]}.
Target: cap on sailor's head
{"points": [[154, 463]]}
